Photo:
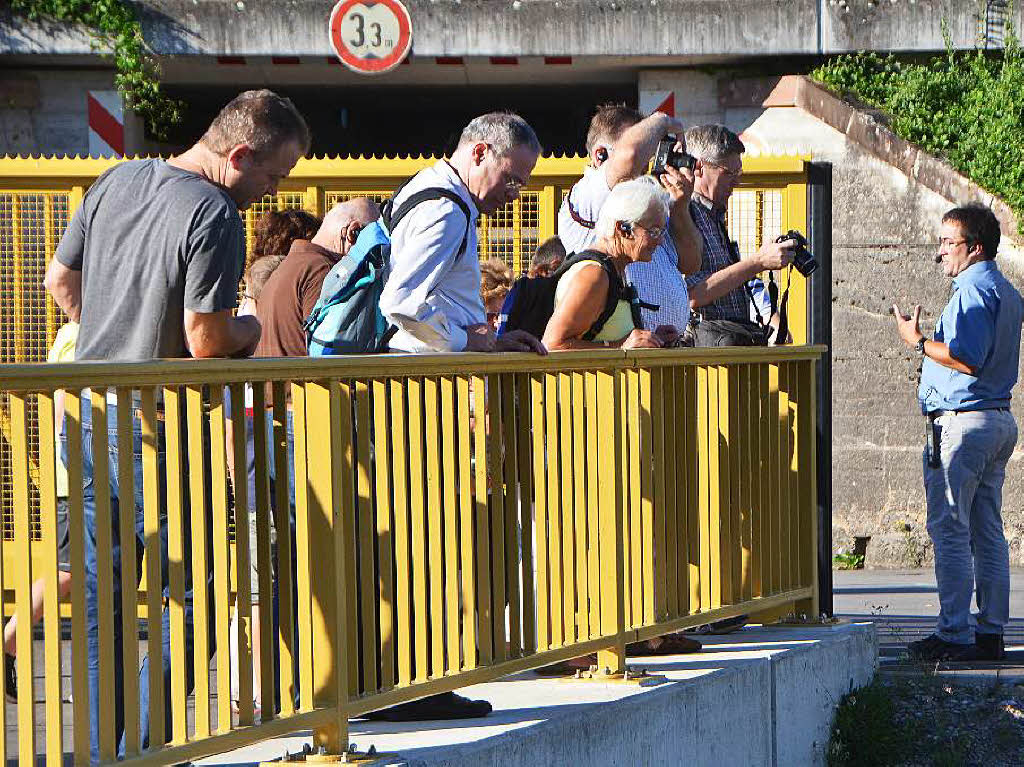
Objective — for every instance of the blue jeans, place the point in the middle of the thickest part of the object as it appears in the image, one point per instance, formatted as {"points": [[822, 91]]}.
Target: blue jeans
{"points": [[92, 614], [250, 456], [964, 485]]}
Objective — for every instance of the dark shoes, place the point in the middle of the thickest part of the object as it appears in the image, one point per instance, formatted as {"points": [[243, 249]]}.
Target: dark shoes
{"points": [[447, 705], [990, 646], [724, 626], [670, 644], [10, 678], [933, 648]]}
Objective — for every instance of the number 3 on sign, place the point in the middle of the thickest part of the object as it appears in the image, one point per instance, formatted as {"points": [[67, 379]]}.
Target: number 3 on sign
{"points": [[371, 36]]}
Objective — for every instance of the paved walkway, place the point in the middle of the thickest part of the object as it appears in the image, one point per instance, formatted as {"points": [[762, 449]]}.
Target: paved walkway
{"points": [[903, 605]]}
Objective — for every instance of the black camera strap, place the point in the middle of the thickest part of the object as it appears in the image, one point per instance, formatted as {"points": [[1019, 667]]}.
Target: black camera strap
{"points": [[775, 305]]}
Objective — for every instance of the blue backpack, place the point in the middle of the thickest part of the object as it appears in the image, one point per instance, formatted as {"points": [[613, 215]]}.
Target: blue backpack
{"points": [[347, 317]]}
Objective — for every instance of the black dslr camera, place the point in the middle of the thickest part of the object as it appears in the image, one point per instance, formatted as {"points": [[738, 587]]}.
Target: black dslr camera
{"points": [[803, 260], [668, 156]]}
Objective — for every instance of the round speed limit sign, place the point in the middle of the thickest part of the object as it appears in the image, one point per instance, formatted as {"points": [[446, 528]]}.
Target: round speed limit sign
{"points": [[371, 36]]}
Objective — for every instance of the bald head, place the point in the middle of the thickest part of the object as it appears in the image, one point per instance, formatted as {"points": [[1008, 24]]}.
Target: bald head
{"points": [[343, 223]]}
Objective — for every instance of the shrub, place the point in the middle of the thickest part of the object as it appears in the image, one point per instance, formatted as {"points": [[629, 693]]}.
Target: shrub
{"points": [[967, 108]]}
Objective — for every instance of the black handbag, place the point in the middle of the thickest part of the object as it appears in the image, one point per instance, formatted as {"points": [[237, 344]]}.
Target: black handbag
{"points": [[731, 333]]}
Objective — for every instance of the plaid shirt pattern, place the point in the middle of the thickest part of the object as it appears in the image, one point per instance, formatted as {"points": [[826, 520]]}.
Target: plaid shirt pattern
{"points": [[734, 305]]}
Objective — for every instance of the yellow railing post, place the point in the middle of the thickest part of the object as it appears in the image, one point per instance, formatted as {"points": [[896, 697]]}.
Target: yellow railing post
{"points": [[807, 476], [613, 604], [328, 422]]}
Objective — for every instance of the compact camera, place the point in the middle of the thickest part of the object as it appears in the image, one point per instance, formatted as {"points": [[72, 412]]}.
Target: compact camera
{"points": [[803, 260], [668, 156]]}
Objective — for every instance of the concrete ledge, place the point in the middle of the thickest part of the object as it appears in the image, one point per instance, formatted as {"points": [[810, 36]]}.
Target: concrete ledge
{"points": [[763, 696]]}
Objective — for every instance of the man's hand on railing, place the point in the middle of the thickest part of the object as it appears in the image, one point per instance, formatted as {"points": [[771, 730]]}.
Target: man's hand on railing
{"points": [[479, 338], [519, 341], [642, 339]]}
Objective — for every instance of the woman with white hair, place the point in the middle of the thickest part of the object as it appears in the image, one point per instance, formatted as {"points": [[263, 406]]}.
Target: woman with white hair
{"points": [[594, 308]]}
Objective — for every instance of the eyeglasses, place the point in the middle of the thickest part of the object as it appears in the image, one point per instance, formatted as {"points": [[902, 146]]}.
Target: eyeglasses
{"points": [[945, 242], [512, 183], [727, 171], [654, 232]]}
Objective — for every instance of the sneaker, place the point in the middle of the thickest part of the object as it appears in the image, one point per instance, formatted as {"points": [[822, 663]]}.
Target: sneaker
{"points": [[10, 678], [670, 644], [933, 648], [724, 626], [990, 646], [447, 705]]}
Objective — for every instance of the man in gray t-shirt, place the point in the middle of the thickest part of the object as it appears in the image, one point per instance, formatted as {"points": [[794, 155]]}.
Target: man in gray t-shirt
{"points": [[151, 241], [149, 266]]}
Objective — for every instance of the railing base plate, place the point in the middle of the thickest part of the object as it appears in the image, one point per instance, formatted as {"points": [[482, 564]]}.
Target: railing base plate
{"points": [[635, 677]]}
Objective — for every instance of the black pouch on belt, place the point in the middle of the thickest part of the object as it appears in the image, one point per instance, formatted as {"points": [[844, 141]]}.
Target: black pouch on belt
{"points": [[933, 438]]}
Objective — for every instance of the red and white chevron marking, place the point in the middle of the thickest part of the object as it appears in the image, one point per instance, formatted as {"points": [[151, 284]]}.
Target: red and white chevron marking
{"points": [[658, 101], [106, 124]]}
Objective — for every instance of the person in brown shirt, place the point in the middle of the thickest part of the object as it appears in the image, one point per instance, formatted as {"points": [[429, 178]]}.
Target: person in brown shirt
{"points": [[293, 289]]}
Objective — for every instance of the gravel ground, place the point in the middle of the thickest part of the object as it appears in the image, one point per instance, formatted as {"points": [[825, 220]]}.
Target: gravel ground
{"points": [[920, 719]]}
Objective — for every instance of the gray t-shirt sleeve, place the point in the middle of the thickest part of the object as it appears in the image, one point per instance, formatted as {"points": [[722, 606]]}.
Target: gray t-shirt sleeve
{"points": [[214, 266], [72, 245]]}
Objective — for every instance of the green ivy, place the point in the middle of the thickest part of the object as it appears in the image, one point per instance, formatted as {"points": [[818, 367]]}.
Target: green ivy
{"points": [[114, 25], [967, 108]]}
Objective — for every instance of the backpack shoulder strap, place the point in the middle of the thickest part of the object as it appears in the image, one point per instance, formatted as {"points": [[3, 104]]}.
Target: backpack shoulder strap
{"points": [[616, 289], [392, 218]]}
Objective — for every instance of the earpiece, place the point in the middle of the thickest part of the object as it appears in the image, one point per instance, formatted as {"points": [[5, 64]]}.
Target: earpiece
{"points": [[601, 154], [626, 228]]}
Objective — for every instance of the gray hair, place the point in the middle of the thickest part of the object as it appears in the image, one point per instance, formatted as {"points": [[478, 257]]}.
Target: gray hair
{"points": [[631, 201], [504, 131], [713, 143]]}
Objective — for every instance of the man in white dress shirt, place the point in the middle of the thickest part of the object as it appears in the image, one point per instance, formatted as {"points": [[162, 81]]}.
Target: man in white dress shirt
{"points": [[432, 291]]}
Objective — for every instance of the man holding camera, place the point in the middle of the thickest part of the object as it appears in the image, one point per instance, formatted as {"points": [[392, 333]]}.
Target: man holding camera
{"points": [[620, 144], [721, 289], [967, 373]]}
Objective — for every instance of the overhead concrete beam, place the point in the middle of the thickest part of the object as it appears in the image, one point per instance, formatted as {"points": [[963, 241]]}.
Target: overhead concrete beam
{"points": [[694, 30]]}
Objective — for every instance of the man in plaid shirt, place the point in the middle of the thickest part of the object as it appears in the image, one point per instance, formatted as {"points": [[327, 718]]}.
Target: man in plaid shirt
{"points": [[719, 289]]}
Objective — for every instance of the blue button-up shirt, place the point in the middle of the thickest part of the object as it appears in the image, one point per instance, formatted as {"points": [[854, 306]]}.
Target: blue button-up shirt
{"points": [[982, 326]]}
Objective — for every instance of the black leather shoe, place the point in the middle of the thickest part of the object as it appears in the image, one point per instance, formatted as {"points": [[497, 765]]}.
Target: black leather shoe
{"points": [[933, 648], [989, 646], [447, 705]]}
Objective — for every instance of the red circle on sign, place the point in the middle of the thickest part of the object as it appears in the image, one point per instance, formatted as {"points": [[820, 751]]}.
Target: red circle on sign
{"points": [[371, 65]]}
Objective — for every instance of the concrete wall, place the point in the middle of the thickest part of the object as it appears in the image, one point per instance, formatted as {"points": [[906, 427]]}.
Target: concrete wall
{"points": [[46, 112], [709, 30]]}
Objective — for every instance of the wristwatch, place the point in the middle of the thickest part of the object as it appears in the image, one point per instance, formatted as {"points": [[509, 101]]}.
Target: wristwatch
{"points": [[920, 345]]}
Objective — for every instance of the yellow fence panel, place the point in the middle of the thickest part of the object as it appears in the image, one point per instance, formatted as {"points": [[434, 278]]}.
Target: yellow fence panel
{"points": [[456, 518]]}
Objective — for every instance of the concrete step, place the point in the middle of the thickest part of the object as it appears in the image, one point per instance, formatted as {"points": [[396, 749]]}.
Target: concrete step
{"points": [[760, 696]]}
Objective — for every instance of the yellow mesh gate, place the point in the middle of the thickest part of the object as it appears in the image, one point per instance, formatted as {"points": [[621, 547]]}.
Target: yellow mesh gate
{"points": [[37, 197]]}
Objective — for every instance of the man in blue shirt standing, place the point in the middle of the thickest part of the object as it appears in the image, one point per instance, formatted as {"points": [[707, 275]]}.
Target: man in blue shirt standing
{"points": [[967, 373]]}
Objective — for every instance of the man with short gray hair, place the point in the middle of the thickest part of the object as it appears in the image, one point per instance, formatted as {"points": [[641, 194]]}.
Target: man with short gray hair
{"points": [[720, 289], [432, 291]]}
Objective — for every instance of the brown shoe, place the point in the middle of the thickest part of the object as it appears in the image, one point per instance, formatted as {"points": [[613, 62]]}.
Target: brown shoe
{"points": [[670, 644], [569, 667]]}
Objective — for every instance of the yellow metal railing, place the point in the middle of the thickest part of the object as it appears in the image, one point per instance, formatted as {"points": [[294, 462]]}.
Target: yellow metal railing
{"points": [[38, 196], [457, 518]]}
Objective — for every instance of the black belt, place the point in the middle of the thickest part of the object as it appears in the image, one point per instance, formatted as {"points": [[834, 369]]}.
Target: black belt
{"points": [[933, 414]]}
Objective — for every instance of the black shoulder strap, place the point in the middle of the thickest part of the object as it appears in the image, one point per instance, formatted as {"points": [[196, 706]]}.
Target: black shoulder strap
{"points": [[616, 289], [392, 218]]}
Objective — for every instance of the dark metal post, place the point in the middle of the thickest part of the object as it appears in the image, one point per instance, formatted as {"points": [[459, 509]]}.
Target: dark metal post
{"points": [[819, 236]]}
